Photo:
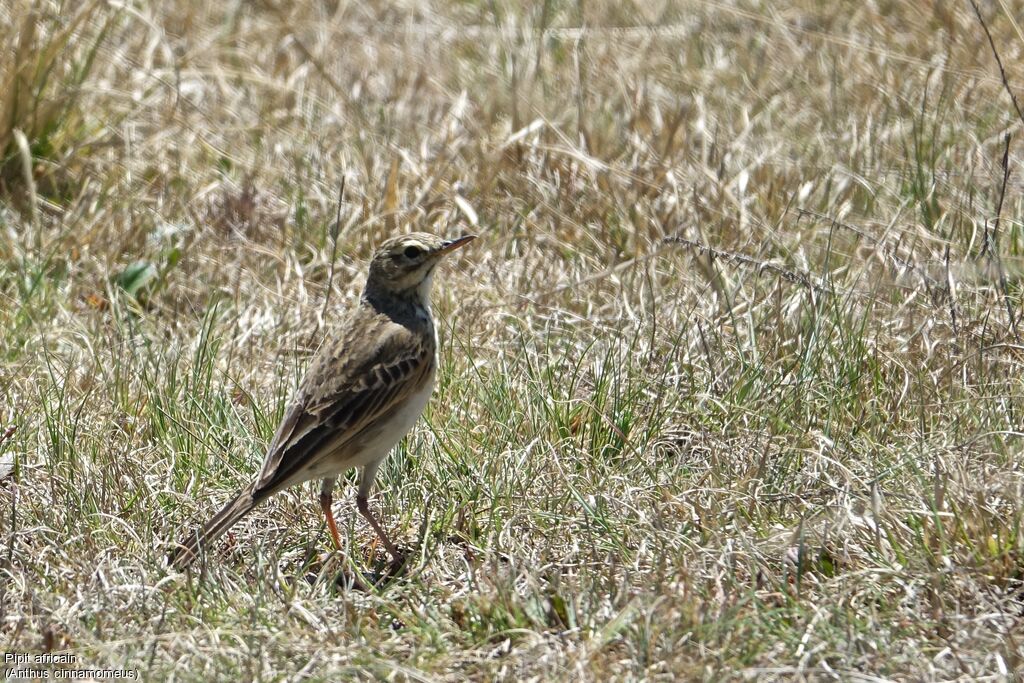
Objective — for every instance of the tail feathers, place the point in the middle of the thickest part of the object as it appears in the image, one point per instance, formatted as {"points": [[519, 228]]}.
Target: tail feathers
{"points": [[196, 543]]}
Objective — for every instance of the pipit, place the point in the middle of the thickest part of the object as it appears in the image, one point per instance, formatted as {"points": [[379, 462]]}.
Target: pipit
{"points": [[364, 390]]}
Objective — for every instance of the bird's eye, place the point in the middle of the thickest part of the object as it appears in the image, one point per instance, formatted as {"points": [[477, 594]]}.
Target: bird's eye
{"points": [[412, 252]]}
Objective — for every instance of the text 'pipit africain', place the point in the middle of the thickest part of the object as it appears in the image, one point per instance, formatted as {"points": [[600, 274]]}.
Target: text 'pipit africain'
{"points": [[365, 388]]}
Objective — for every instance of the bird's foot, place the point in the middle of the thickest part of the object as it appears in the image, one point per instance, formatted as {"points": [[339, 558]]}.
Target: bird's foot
{"points": [[387, 569], [380, 570]]}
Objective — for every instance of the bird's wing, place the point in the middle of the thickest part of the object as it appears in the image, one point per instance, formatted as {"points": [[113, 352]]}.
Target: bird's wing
{"points": [[350, 383]]}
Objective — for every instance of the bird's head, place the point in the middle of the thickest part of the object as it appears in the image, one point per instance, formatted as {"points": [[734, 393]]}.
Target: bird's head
{"points": [[405, 264]]}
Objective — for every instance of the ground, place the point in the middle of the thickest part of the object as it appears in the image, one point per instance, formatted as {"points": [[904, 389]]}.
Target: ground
{"points": [[730, 385]]}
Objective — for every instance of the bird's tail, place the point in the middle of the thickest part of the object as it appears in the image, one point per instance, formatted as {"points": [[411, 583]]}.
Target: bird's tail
{"points": [[196, 542]]}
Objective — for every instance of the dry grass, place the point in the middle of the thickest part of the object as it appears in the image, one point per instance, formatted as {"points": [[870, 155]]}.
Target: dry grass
{"points": [[785, 445]]}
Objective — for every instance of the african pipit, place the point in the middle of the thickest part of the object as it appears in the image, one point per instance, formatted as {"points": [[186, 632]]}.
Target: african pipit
{"points": [[365, 388]]}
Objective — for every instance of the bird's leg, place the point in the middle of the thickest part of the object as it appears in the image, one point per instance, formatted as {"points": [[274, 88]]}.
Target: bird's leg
{"points": [[325, 504], [364, 508], [363, 503]]}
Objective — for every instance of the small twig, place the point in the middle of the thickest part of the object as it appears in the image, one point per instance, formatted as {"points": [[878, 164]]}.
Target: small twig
{"points": [[887, 251], [803, 279], [995, 239], [334, 246], [1002, 191], [999, 61]]}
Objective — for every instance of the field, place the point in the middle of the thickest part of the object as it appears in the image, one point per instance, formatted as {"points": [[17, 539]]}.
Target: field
{"points": [[731, 385]]}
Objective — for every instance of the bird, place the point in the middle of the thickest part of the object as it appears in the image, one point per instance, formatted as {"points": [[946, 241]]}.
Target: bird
{"points": [[364, 389]]}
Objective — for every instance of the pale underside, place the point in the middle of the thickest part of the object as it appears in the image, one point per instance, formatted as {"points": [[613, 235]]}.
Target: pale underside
{"points": [[362, 393]]}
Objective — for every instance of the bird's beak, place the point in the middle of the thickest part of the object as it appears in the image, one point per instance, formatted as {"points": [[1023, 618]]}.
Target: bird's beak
{"points": [[452, 245]]}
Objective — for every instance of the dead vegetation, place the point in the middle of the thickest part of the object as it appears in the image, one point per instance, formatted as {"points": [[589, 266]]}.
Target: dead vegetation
{"points": [[731, 384]]}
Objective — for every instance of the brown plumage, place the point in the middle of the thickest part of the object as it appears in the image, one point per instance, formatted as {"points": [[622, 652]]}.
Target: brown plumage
{"points": [[365, 388]]}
